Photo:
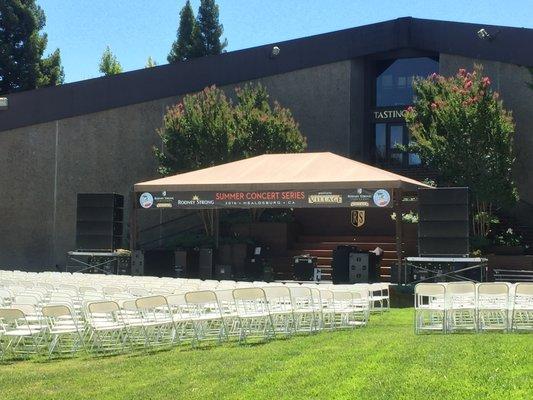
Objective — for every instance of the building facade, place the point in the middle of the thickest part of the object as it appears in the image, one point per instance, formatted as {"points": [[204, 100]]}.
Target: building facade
{"points": [[346, 89]]}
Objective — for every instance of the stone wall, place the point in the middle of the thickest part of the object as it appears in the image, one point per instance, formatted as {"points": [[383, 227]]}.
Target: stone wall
{"points": [[46, 165]]}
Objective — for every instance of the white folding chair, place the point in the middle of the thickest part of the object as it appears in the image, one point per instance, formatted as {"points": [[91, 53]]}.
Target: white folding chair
{"points": [[107, 330], [327, 309], [522, 315], [64, 330], [255, 320], [181, 317], [280, 308], [349, 310], [206, 316], [461, 306], [19, 337], [228, 310], [157, 323], [305, 313], [492, 306], [430, 311]]}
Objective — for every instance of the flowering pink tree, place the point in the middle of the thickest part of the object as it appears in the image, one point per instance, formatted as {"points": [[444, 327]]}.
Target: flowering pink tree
{"points": [[461, 129]]}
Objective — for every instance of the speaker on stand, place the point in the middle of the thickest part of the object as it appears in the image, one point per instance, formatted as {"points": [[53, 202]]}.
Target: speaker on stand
{"points": [[99, 221], [443, 223]]}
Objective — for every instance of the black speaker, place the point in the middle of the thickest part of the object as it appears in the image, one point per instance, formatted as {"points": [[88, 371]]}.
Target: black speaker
{"points": [[340, 264], [304, 267], [363, 267], [99, 221], [443, 222], [205, 264]]}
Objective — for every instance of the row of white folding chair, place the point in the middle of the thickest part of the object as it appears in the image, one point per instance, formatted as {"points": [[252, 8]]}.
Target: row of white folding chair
{"points": [[466, 306]]}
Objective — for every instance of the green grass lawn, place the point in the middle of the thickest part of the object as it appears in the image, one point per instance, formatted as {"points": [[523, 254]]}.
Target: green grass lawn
{"points": [[382, 361]]}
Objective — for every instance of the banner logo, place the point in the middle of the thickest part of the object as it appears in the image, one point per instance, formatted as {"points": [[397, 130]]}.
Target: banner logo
{"points": [[146, 200], [381, 198], [325, 199], [358, 218]]}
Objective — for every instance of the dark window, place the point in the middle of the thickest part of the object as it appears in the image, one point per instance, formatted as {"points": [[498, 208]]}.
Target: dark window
{"points": [[388, 136], [381, 142], [394, 84]]}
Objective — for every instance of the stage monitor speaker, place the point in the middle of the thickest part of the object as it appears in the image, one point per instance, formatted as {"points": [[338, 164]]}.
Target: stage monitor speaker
{"points": [[443, 222], [340, 264], [205, 264], [99, 221], [363, 268], [304, 268]]}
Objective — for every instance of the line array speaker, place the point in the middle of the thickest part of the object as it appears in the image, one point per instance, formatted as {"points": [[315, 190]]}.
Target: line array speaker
{"points": [[99, 219], [443, 223]]}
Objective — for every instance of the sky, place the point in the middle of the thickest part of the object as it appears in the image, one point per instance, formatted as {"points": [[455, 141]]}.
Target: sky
{"points": [[137, 29]]}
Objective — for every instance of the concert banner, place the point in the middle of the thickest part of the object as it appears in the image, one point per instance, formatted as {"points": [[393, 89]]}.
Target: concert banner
{"points": [[342, 198]]}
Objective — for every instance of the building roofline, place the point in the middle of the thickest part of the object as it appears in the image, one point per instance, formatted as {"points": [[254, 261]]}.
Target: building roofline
{"points": [[511, 45]]}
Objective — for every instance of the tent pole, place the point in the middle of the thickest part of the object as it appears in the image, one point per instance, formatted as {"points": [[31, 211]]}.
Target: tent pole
{"points": [[133, 223], [216, 227], [399, 229]]}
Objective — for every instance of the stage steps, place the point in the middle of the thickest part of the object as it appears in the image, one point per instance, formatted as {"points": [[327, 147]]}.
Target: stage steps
{"points": [[322, 247]]}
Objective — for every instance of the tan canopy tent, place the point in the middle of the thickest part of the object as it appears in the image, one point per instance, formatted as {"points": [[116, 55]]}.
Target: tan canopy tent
{"points": [[324, 171], [304, 180]]}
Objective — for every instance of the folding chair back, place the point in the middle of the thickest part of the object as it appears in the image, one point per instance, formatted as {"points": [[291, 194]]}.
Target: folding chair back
{"points": [[430, 307], [522, 315]]}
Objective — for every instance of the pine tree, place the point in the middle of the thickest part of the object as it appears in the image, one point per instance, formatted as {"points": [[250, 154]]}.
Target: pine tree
{"points": [[22, 66], [52, 73], [109, 64], [182, 46], [150, 62], [210, 29]]}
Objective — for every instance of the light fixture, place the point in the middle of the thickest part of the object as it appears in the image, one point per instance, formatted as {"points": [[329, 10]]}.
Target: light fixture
{"points": [[274, 52], [484, 35], [3, 103]]}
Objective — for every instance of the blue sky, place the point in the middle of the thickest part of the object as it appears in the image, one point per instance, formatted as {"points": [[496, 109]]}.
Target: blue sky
{"points": [[136, 29]]}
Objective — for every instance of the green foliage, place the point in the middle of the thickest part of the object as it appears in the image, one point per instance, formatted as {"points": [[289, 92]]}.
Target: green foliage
{"points": [[411, 217], [207, 129], [461, 129], [261, 128], [22, 66], [52, 73], [530, 84], [383, 361], [150, 62], [183, 45], [508, 238], [109, 64]]}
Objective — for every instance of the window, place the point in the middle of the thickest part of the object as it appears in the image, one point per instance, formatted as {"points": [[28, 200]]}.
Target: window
{"points": [[396, 138], [387, 138], [395, 78], [381, 142]]}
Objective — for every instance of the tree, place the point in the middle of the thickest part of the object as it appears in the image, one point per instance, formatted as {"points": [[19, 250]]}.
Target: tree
{"points": [[52, 73], [210, 30], [182, 47], [207, 129], [22, 66], [261, 128], [109, 64], [150, 62], [460, 128]]}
